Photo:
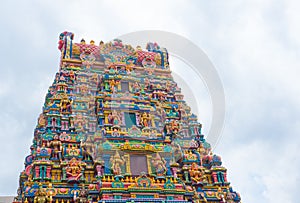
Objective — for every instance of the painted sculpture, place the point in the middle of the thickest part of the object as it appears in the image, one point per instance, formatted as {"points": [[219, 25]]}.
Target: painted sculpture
{"points": [[115, 128]]}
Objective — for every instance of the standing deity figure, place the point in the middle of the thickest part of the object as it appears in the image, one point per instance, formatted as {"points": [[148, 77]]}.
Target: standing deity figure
{"points": [[79, 121], [177, 153], [136, 88], [159, 164], [116, 120], [56, 146], [174, 172], [99, 169], [145, 118], [65, 104], [175, 126], [113, 84], [117, 161], [89, 146]]}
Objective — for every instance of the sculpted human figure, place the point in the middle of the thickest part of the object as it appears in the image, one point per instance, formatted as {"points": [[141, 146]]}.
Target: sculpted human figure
{"points": [[73, 170], [56, 146], [82, 197], [89, 146], [41, 196], [65, 104], [159, 164], [41, 120], [145, 118], [79, 121], [117, 161], [115, 118], [99, 166]]}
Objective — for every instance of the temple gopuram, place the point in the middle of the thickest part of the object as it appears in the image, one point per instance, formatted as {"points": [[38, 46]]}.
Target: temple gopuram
{"points": [[115, 128]]}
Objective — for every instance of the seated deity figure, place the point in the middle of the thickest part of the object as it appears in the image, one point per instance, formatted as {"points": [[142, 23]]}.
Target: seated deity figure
{"points": [[74, 170]]}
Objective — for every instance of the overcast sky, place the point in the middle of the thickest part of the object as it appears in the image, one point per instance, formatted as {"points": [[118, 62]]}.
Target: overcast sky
{"points": [[254, 45]]}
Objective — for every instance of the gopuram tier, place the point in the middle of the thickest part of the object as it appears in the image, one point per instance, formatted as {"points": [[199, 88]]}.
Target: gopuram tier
{"points": [[115, 128]]}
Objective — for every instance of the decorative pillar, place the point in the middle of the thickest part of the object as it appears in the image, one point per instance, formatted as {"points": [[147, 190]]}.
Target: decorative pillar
{"points": [[106, 158], [41, 175], [221, 177], [37, 172], [48, 172], [64, 174], [215, 178], [66, 125], [105, 118], [58, 173], [225, 176], [82, 175], [63, 125], [58, 122], [169, 172], [152, 121], [49, 121], [106, 86]]}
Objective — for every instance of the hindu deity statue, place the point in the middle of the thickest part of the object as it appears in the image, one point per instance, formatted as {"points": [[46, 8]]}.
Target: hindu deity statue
{"points": [[82, 197], [79, 121], [196, 197], [145, 119], [175, 126], [136, 88], [115, 118], [177, 153], [197, 173], [99, 165], [65, 104], [56, 145], [159, 164], [117, 161], [41, 120], [221, 195], [88, 145], [74, 170], [84, 89], [113, 84], [201, 150], [41, 195]]}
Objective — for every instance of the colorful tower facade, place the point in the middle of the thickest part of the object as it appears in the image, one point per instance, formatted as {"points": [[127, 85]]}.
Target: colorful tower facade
{"points": [[115, 128]]}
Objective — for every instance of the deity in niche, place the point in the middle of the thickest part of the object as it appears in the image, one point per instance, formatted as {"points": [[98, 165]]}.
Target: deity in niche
{"points": [[145, 119], [56, 145], [117, 161], [159, 164], [88, 145], [115, 118], [74, 170]]}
